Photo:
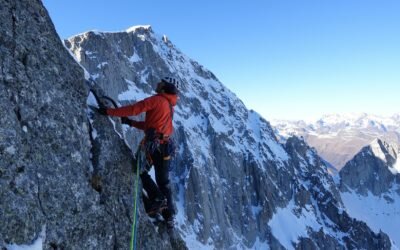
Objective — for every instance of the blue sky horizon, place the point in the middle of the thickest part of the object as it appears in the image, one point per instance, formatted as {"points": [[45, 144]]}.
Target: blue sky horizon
{"points": [[285, 59]]}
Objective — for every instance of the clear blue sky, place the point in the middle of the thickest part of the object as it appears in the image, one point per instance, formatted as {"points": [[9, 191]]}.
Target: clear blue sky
{"points": [[287, 59]]}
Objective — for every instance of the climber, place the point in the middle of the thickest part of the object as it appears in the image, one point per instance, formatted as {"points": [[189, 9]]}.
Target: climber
{"points": [[158, 128]]}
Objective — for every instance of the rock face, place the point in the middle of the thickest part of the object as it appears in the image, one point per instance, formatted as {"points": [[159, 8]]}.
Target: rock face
{"points": [[338, 138], [235, 185], [371, 170], [370, 187], [57, 182]]}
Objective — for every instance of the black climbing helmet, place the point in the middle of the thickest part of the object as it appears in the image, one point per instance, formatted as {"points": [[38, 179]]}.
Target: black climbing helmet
{"points": [[168, 85]]}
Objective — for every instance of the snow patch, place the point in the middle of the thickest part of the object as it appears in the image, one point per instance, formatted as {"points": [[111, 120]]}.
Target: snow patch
{"points": [[95, 76], [287, 227], [152, 174], [277, 150], [259, 245], [133, 92], [91, 100], [135, 58], [90, 54], [377, 212], [311, 157], [10, 150], [377, 150], [36, 245], [142, 37], [94, 133], [101, 65], [180, 217], [395, 169]]}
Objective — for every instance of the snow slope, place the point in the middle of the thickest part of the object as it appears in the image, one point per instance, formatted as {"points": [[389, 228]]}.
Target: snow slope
{"points": [[379, 212]]}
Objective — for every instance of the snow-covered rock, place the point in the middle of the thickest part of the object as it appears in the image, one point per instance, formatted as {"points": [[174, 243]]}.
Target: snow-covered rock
{"points": [[372, 169], [370, 187]]}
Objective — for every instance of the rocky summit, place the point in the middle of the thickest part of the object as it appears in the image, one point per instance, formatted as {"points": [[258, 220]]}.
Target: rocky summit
{"points": [[370, 187], [66, 179], [374, 169]]}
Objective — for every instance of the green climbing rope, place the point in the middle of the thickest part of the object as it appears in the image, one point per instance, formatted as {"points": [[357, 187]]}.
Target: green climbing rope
{"points": [[134, 234]]}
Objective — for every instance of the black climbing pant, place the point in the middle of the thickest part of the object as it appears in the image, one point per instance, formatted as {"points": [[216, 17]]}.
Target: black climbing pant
{"points": [[161, 190]]}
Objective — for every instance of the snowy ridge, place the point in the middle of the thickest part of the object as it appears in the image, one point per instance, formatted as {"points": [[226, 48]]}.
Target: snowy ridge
{"points": [[330, 125], [131, 29], [136, 27]]}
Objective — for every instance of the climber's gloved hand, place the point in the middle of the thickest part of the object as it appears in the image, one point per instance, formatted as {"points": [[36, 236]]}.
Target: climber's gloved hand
{"points": [[126, 120], [102, 110]]}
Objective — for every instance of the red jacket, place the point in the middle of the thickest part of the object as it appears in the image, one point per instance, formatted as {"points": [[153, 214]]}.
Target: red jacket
{"points": [[158, 108]]}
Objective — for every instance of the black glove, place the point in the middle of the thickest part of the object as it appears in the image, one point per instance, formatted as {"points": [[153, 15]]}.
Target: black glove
{"points": [[126, 120], [102, 111]]}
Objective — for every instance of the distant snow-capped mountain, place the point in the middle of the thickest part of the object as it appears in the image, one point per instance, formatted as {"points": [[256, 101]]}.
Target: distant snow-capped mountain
{"points": [[337, 138]]}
